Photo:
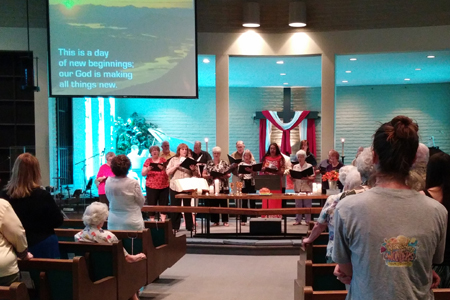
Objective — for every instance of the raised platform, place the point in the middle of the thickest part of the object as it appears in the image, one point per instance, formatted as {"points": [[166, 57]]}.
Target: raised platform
{"points": [[243, 246]]}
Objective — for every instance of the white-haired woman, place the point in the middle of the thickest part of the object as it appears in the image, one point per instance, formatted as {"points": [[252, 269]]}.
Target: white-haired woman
{"points": [[351, 179], [303, 185], [249, 182], [94, 217], [220, 166]]}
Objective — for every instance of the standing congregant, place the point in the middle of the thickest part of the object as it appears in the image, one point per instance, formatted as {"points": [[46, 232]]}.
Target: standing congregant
{"points": [[387, 238]]}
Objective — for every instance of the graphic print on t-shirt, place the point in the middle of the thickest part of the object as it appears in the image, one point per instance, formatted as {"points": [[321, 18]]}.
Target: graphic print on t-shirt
{"points": [[399, 251]]}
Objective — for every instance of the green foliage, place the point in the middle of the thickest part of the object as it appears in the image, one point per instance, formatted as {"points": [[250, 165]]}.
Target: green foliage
{"points": [[133, 131]]}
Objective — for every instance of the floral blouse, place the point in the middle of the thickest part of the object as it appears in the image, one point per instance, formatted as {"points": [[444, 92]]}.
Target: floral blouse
{"points": [[156, 179], [96, 235], [221, 167]]}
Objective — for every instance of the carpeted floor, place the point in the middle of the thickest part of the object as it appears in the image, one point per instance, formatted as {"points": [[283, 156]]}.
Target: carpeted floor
{"points": [[226, 277]]}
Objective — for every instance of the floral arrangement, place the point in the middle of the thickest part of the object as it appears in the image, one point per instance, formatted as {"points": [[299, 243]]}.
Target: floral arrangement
{"points": [[330, 176], [133, 131]]}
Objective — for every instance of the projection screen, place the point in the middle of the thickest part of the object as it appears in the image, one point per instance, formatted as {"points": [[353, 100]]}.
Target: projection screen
{"points": [[122, 48]]}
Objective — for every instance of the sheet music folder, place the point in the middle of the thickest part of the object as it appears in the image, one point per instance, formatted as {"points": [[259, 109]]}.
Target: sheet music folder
{"points": [[233, 160], [301, 174], [188, 162], [254, 167], [155, 167]]}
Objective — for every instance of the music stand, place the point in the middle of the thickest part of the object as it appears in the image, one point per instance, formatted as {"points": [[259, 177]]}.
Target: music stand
{"points": [[272, 182], [89, 187]]}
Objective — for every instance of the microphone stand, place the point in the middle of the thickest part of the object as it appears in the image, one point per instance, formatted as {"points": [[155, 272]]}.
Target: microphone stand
{"points": [[83, 168]]}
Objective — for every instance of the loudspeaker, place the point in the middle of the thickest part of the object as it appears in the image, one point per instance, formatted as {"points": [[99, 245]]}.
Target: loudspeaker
{"points": [[27, 72], [260, 226]]}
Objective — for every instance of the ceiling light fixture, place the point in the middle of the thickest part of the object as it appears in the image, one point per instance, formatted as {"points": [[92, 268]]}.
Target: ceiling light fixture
{"points": [[344, 81], [285, 83], [280, 62], [418, 69], [431, 56], [297, 14], [348, 71], [251, 14], [407, 79], [353, 59], [206, 61], [282, 74]]}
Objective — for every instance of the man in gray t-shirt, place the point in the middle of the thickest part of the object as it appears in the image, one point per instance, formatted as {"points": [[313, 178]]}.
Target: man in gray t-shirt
{"points": [[391, 238]]}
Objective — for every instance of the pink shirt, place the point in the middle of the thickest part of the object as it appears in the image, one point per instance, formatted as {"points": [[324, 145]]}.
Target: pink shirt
{"points": [[104, 170]]}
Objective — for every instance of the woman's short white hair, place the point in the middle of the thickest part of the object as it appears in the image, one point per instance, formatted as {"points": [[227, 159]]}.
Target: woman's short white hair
{"points": [[364, 163], [300, 152], [344, 171], [95, 214], [217, 149], [353, 180], [418, 171]]}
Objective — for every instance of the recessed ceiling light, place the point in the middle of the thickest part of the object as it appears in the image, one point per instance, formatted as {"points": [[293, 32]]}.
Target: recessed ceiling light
{"points": [[431, 56], [407, 79], [206, 61], [280, 62], [282, 74], [353, 58], [418, 69], [348, 71], [285, 83], [344, 81]]}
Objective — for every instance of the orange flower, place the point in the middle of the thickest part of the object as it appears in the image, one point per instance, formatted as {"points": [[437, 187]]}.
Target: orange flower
{"points": [[332, 176]]}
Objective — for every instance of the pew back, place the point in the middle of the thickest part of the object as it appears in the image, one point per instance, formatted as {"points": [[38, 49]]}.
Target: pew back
{"points": [[64, 279], [109, 260], [16, 291]]}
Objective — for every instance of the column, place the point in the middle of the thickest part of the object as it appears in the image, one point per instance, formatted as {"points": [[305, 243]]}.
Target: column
{"points": [[222, 104], [327, 109]]}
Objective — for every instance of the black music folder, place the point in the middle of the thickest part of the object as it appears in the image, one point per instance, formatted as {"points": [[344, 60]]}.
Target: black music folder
{"points": [[188, 162], [301, 174], [233, 160], [255, 168], [155, 167], [270, 170], [215, 174]]}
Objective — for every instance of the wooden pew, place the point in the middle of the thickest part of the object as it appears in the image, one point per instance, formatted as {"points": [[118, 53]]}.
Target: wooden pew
{"points": [[321, 278], [109, 260], [134, 242], [316, 253], [162, 234], [16, 291], [310, 294], [66, 279]]}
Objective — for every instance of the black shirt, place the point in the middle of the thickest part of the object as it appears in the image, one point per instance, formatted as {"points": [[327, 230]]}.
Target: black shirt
{"points": [[205, 157], [38, 213]]}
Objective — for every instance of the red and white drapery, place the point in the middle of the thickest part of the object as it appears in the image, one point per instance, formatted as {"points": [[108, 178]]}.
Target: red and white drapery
{"points": [[307, 131]]}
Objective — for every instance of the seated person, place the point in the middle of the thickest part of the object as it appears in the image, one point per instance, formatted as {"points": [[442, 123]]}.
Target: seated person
{"points": [[94, 217]]}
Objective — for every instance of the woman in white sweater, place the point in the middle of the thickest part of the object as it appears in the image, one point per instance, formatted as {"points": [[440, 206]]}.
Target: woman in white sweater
{"points": [[13, 244], [125, 197]]}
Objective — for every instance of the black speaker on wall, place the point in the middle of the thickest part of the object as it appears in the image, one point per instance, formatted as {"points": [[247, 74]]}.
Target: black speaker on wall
{"points": [[27, 72]]}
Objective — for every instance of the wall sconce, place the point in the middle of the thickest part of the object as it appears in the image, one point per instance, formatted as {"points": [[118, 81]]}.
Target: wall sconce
{"points": [[297, 14], [251, 15]]}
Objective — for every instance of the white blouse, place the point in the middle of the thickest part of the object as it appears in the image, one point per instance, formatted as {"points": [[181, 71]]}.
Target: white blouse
{"points": [[125, 203]]}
